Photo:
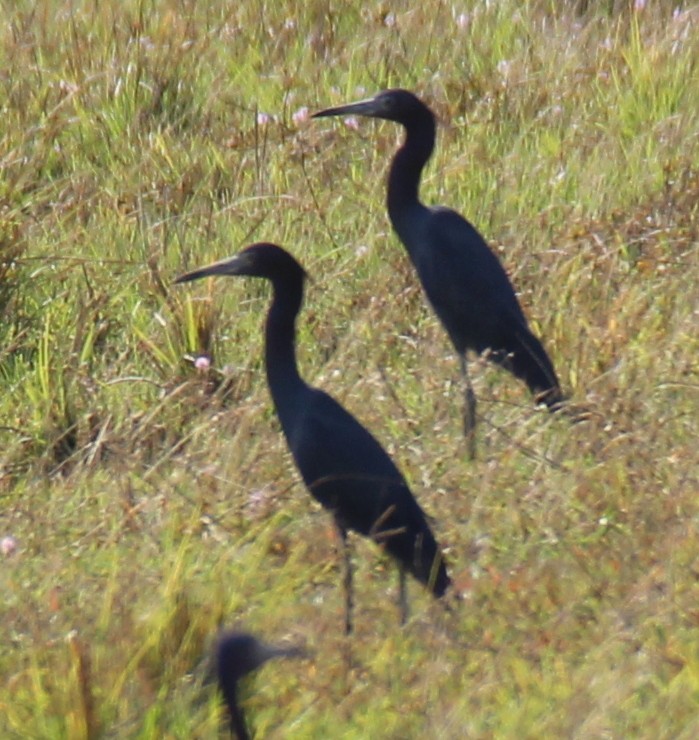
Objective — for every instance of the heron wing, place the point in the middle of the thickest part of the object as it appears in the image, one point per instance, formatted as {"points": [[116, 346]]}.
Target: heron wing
{"points": [[466, 283], [348, 472]]}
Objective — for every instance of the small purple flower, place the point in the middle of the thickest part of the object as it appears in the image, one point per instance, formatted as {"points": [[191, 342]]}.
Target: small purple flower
{"points": [[352, 123], [8, 545], [463, 21], [679, 15], [202, 363], [300, 116], [263, 119]]}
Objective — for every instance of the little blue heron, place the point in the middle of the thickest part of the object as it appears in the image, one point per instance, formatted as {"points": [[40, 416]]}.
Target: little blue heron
{"points": [[462, 278], [341, 463], [236, 655]]}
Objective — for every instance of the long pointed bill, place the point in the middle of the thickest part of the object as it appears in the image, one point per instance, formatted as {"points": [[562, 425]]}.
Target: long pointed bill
{"points": [[232, 266], [275, 651], [371, 108]]}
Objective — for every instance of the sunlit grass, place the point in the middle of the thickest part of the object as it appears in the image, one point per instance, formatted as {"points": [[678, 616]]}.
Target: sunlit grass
{"points": [[152, 501]]}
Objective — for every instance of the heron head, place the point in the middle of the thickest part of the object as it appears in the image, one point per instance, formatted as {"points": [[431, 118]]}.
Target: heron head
{"points": [[258, 260], [240, 653], [400, 106]]}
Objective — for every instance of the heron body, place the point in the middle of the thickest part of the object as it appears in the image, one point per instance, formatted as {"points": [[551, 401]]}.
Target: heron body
{"points": [[462, 277], [341, 463]]}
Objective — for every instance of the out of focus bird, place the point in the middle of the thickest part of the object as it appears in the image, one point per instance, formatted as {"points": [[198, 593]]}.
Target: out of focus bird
{"points": [[237, 654], [341, 463], [463, 279]]}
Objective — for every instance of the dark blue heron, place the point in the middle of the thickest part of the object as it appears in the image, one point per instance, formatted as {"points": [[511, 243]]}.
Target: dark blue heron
{"points": [[462, 278], [341, 463], [236, 655]]}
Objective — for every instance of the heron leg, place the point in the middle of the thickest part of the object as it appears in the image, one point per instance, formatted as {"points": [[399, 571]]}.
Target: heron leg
{"points": [[403, 596], [348, 580], [469, 414]]}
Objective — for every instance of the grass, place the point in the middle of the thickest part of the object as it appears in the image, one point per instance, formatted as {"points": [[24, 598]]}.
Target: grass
{"points": [[151, 502]]}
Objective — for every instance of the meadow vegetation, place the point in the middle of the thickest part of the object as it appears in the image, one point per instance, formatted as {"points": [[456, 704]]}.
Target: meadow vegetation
{"points": [[145, 502]]}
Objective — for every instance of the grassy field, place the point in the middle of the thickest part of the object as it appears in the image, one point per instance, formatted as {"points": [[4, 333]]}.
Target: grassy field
{"points": [[144, 503]]}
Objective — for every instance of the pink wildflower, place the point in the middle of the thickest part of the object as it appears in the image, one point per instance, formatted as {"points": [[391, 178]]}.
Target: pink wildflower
{"points": [[202, 363], [8, 545], [300, 116], [463, 20]]}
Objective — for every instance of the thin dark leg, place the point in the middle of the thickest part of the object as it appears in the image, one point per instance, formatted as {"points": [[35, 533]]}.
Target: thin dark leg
{"points": [[349, 603], [469, 409], [403, 596]]}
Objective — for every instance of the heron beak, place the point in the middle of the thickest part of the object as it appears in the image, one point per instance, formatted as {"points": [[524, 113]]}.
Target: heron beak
{"points": [[232, 266], [267, 652], [370, 108]]}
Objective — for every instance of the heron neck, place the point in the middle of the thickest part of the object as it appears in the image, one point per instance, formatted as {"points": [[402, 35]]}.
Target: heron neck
{"points": [[407, 166], [283, 377], [238, 726]]}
